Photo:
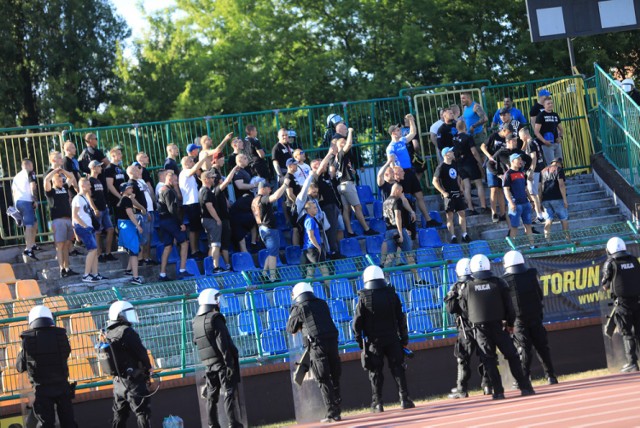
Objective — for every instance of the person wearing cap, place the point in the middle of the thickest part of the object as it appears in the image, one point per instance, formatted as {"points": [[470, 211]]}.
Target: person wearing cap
{"points": [[466, 345], [90, 153], [529, 332], [495, 142], [303, 171], [620, 276], [219, 355], [554, 197], [129, 230], [311, 316], [193, 151], [630, 88], [281, 153], [81, 207], [255, 153], [447, 181], [508, 107], [170, 162], [502, 156], [380, 329], [189, 190], [490, 309], [262, 209], [532, 148], [171, 227], [538, 106], [515, 191], [514, 125], [469, 166], [44, 356], [475, 117], [549, 131], [99, 200], [293, 138]]}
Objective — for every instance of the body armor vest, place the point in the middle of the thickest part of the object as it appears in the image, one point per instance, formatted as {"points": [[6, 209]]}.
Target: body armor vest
{"points": [[125, 362], [484, 300], [524, 290], [318, 323], [46, 350], [626, 272], [204, 335], [380, 321]]}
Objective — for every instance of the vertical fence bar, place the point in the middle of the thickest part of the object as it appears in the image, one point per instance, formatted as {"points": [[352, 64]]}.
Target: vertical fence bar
{"points": [[256, 325], [183, 334]]}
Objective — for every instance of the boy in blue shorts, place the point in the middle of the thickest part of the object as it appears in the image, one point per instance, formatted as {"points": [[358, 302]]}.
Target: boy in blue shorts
{"points": [[515, 190]]}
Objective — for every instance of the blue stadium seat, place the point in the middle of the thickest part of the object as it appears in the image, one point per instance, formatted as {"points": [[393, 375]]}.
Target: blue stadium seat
{"points": [[479, 247], [419, 322], [451, 276], [429, 238], [245, 323], [318, 291], [230, 305], [192, 268], [260, 299], [350, 247], [293, 254], [282, 296], [341, 289], [435, 215], [290, 273], [357, 227], [427, 275], [345, 265], [338, 310], [422, 299], [345, 334], [374, 246], [208, 265], [378, 225], [400, 280], [273, 342], [403, 301], [365, 194], [359, 283], [427, 255], [377, 210], [204, 282], [262, 256], [452, 252], [242, 261], [277, 318]]}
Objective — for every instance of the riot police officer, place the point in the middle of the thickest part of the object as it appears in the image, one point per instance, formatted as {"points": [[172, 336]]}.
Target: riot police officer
{"points": [[132, 367], [380, 328], [620, 275], [220, 356], [466, 344], [487, 299], [526, 297], [311, 315], [44, 354]]}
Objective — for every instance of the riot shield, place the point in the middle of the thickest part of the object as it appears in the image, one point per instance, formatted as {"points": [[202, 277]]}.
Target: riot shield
{"points": [[613, 345], [307, 400], [201, 388]]}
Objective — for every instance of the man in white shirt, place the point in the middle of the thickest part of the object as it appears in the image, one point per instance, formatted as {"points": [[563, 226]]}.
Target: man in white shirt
{"points": [[190, 205], [24, 189], [433, 134]]}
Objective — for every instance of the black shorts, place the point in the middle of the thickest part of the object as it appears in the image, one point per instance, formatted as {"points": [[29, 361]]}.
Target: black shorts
{"points": [[469, 170], [411, 184], [193, 213], [455, 204], [313, 256], [241, 224]]}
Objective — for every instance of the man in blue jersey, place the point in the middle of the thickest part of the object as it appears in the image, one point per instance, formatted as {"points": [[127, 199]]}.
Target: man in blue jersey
{"points": [[517, 195], [508, 108], [475, 117]]}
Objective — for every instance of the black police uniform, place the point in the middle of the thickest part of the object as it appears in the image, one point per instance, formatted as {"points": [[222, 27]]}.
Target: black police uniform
{"points": [[488, 303], [44, 355], [620, 274], [218, 353], [526, 297], [130, 390], [379, 318], [311, 315], [466, 344]]}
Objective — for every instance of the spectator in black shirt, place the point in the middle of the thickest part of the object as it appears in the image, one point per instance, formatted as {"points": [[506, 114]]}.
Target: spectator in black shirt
{"points": [[143, 159], [469, 166], [447, 131], [330, 203], [237, 144], [549, 131], [533, 149], [281, 153], [495, 142], [242, 184], [554, 197], [290, 201], [242, 222], [71, 165], [129, 230], [447, 181], [90, 153], [170, 161], [99, 199], [59, 204], [514, 125], [502, 162], [255, 153], [222, 204], [145, 211], [114, 176], [538, 106]]}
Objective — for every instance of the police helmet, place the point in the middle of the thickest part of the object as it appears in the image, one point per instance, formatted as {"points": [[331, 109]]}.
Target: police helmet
{"points": [[627, 85], [40, 316], [514, 262], [462, 268], [301, 288], [480, 266], [208, 298], [373, 278], [333, 119], [616, 245], [122, 311]]}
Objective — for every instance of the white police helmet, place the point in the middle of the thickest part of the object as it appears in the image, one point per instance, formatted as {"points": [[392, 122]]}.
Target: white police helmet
{"points": [[616, 245], [373, 277], [333, 119], [299, 288], [462, 268], [480, 266], [514, 262], [208, 298], [627, 85], [40, 316], [122, 310]]}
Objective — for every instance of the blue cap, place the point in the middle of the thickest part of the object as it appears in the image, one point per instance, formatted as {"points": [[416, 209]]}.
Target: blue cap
{"points": [[192, 147], [124, 186], [446, 150], [513, 157], [292, 161], [291, 133], [136, 163], [544, 93]]}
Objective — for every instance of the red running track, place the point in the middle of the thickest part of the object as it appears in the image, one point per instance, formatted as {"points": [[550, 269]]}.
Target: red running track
{"points": [[608, 401]]}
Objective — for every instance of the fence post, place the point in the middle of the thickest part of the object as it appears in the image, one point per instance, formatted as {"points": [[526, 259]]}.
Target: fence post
{"points": [[445, 277], [254, 317], [206, 121], [183, 334], [135, 126]]}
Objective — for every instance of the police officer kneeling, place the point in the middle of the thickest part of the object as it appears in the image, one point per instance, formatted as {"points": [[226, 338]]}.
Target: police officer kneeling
{"points": [[526, 296], [380, 322], [44, 354], [218, 353], [311, 315], [132, 368], [488, 302], [620, 274]]}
